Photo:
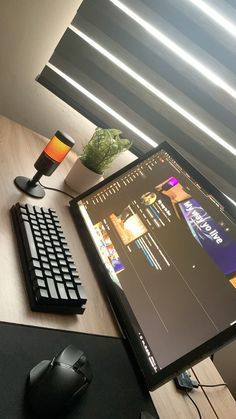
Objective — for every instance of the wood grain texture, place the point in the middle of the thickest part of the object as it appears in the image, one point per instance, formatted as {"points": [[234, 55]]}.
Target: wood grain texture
{"points": [[219, 397], [19, 149]]}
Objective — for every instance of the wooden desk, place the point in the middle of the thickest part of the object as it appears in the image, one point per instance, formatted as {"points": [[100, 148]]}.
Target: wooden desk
{"points": [[19, 149]]}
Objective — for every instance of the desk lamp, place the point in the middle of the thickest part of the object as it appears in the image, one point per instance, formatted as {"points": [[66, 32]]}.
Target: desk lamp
{"points": [[52, 155]]}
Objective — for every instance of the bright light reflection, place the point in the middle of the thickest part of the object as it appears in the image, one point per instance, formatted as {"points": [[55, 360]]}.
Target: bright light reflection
{"points": [[156, 91], [216, 16], [176, 49], [102, 105], [231, 200]]}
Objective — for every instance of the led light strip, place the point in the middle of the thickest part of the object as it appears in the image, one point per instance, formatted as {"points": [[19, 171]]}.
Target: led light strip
{"points": [[176, 49], [216, 16], [155, 91], [103, 105]]}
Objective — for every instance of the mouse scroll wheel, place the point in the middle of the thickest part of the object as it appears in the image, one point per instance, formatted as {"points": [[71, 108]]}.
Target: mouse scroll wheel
{"points": [[80, 363]]}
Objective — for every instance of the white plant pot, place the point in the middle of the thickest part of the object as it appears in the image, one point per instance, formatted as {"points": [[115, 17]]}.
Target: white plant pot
{"points": [[80, 178]]}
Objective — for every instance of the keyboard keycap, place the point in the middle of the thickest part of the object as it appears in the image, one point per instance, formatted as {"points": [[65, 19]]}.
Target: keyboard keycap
{"points": [[58, 278], [81, 292], [67, 277], [45, 210], [51, 257], [30, 209], [48, 273], [69, 285], [77, 280], [72, 294], [41, 294], [39, 283], [44, 259], [28, 240], [62, 291], [38, 273], [42, 252], [34, 264], [46, 266], [52, 288], [62, 262]]}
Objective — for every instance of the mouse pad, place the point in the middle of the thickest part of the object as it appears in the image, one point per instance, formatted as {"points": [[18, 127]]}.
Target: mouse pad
{"points": [[116, 391]]}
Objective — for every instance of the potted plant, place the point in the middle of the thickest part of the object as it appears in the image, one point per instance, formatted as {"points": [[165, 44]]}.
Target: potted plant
{"points": [[97, 156]]}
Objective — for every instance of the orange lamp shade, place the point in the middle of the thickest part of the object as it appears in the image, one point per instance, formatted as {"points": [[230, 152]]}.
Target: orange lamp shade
{"points": [[56, 149], [53, 154]]}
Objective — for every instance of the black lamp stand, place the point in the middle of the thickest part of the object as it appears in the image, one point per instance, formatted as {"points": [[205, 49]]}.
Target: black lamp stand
{"points": [[30, 186]]}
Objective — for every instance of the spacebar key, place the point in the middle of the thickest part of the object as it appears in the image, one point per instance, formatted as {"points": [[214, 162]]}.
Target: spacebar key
{"points": [[28, 240]]}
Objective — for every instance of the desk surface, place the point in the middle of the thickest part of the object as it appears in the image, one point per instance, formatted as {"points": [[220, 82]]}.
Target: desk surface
{"points": [[19, 149]]}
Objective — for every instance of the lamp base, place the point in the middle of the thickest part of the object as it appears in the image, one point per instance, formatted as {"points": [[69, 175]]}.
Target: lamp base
{"points": [[24, 184]]}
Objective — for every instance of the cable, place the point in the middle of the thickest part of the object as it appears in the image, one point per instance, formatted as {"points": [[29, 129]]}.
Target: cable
{"points": [[57, 190], [196, 384], [212, 385], [195, 404], [184, 383]]}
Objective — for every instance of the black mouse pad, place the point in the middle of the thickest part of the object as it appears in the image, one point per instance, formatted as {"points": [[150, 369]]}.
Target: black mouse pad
{"points": [[116, 391]]}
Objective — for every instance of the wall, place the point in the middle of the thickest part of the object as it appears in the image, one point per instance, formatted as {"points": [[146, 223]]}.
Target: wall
{"points": [[29, 32]]}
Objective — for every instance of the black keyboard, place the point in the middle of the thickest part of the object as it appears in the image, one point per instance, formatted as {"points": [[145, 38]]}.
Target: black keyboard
{"points": [[52, 280]]}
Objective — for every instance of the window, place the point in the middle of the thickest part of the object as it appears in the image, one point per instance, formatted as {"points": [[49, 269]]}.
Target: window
{"points": [[158, 70]]}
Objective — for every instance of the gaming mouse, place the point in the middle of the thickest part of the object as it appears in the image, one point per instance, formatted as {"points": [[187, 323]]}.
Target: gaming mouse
{"points": [[54, 386]]}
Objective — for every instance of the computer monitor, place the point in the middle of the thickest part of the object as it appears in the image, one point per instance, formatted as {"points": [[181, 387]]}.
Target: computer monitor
{"points": [[162, 240]]}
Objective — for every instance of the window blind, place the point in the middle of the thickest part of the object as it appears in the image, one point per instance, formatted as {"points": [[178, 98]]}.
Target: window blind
{"points": [[158, 70]]}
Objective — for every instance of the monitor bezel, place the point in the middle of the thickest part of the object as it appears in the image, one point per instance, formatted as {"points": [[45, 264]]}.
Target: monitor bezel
{"points": [[121, 308]]}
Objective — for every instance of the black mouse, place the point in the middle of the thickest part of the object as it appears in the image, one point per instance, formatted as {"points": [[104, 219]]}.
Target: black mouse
{"points": [[54, 386]]}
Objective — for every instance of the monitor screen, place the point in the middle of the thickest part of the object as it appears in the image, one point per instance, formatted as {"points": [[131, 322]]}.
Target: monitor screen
{"points": [[166, 251]]}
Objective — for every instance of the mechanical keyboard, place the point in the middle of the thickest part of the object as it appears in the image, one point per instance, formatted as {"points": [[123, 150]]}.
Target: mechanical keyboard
{"points": [[52, 280]]}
